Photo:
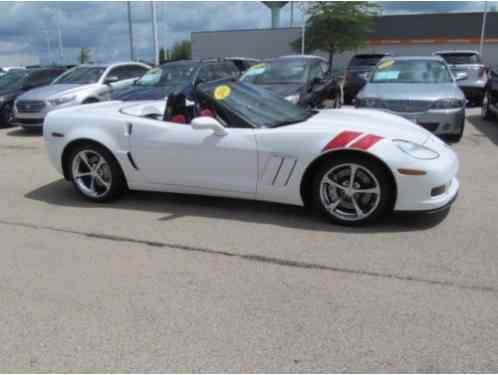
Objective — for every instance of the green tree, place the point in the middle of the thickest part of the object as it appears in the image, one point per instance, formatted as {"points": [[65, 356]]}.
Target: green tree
{"points": [[85, 55], [336, 27], [162, 55], [181, 50]]}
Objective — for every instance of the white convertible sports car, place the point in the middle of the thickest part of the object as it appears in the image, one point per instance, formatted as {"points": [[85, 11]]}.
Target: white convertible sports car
{"points": [[233, 139]]}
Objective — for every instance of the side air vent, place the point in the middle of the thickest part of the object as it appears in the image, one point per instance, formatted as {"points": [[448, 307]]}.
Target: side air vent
{"points": [[278, 170], [132, 162]]}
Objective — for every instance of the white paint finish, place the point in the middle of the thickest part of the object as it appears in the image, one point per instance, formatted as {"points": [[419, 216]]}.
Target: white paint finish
{"points": [[248, 163]]}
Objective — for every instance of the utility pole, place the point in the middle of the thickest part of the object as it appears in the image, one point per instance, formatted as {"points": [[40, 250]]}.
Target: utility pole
{"points": [[59, 32], [154, 32], [49, 50], [292, 14], [130, 32], [483, 30]]}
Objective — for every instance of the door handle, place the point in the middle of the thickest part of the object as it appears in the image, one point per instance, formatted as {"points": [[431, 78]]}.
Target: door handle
{"points": [[128, 129]]}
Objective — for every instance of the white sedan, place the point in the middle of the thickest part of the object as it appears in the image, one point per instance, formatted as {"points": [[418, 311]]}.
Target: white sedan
{"points": [[233, 139]]}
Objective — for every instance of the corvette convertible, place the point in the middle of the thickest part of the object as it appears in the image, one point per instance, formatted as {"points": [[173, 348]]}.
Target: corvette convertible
{"points": [[236, 140]]}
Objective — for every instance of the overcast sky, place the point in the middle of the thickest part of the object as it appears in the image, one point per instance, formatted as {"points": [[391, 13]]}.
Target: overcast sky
{"points": [[25, 27]]}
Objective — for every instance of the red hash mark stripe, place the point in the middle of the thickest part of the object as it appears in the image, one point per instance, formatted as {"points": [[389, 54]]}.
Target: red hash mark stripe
{"points": [[366, 142], [341, 140]]}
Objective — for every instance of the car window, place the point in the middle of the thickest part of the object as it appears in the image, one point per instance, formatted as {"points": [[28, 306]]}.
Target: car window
{"points": [[215, 71], [461, 58], [127, 72], [411, 71], [12, 80], [276, 72], [81, 75], [316, 72], [365, 60], [44, 77], [168, 74]]}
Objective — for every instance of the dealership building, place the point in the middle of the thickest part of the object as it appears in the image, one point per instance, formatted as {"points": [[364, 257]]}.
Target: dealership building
{"points": [[402, 35]]}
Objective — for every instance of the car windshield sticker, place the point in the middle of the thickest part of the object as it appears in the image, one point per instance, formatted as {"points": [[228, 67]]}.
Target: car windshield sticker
{"points": [[386, 64], [221, 92], [256, 69], [389, 75]]}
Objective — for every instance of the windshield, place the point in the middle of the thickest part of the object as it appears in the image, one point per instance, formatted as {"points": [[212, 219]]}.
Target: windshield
{"points": [[461, 58], [169, 74], [257, 106], [411, 71], [12, 80], [365, 60], [81, 75], [276, 72]]}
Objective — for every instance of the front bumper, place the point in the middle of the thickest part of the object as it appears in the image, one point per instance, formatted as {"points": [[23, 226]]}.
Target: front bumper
{"points": [[439, 122], [416, 193], [35, 119]]}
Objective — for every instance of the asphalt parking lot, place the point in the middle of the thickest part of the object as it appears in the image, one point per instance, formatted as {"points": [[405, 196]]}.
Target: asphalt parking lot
{"points": [[172, 282]]}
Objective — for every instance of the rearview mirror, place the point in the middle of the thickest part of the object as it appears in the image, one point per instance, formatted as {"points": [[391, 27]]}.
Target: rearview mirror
{"points": [[204, 122], [111, 79], [461, 76]]}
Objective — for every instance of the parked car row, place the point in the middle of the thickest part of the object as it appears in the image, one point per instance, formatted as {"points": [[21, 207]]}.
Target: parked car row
{"points": [[468, 62]]}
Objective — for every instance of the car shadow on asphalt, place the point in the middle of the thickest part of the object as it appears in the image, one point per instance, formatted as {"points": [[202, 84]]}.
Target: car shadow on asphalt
{"points": [[488, 128], [19, 132], [177, 206]]}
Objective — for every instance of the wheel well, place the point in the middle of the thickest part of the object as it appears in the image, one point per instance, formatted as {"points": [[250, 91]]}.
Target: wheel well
{"points": [[77, 143], [307, 180]]}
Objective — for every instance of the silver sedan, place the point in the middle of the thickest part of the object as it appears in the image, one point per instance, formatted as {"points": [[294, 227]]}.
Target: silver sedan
{"points": [[421, 89]]}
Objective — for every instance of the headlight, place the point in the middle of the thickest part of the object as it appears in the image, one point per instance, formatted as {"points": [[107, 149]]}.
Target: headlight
{"points": [[62, 100], [369, 103], [294, 99], [448, 104], [415, 150]]}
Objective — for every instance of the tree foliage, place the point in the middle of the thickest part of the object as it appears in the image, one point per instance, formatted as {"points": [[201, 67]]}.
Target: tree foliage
{"points": [[181, 50], [162, 55], [337, 26], [85, 56]]}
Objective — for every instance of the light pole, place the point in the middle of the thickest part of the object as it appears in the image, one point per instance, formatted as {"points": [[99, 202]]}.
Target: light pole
{"points": [[130, 32], [49, 50], [483, 30], [59, 32], [154, 32]]}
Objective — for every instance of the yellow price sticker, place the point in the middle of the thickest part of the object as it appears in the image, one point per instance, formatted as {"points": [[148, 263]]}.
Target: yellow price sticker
{"points": [[386, 64], [221, 92]]}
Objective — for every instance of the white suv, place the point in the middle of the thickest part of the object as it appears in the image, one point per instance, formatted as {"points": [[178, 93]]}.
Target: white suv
{"points": [[83, 84]]}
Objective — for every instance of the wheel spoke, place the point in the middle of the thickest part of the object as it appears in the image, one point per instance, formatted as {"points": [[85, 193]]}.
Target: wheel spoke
{"points": [[80, 175], [99, 165], [333, 183], [359, 212], [331, 207], [354, 168], [92, 184], [102, 181], [374, 190], [84, 159]]}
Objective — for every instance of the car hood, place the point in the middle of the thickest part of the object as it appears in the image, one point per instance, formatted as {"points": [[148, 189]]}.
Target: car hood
{"points": [[51, 91], [145, 93], [283, 90], [369, 121], [411, 91]]}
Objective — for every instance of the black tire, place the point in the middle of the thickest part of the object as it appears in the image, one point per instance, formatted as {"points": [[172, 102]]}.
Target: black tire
{"points": [[486, 112], [117, 184], [384, 202], [6, 116], [455, 138]]}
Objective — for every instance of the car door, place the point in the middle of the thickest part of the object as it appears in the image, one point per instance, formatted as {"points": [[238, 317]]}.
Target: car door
{"points": [[176, 154], [493, 85]]}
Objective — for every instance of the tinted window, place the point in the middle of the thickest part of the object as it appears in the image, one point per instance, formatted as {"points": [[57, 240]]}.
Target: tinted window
{"points": [[365, 60], [256, 106], [82, 75], [316, 72], [168, 74], [43, 77], [276, 72], [12, 80], [411, 71], [127, 72], [461, 58]]}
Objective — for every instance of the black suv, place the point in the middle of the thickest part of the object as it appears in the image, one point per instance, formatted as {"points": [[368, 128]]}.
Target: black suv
{"points": [[176, 77], [17, 82], [302, 79], [358, 67]]}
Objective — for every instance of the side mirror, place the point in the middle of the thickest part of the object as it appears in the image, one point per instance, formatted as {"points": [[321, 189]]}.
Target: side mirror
{"points": [[461, 76], [111, 79], [204, 122]]}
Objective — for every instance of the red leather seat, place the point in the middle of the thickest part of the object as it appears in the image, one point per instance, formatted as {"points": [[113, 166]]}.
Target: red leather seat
{"points": [[179, 119], [207, 113]]}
